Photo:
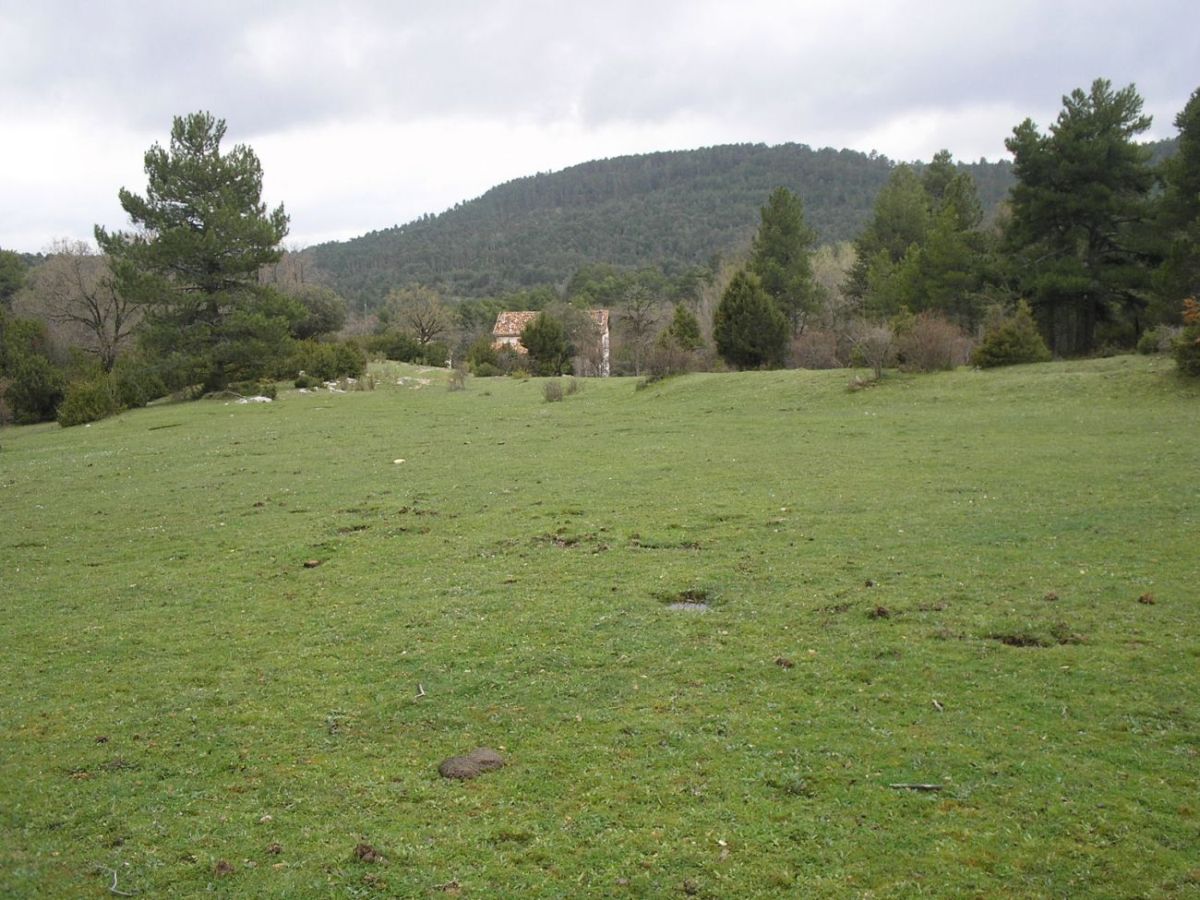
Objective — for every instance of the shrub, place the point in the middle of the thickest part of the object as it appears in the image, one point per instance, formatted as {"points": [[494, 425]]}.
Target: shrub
{"points": [[749, 330], [458, 378], [89, 400], [35, 390], [350, 359], [552, 391], [930, 343], [254, 388], [545, 339], [874, 346], [482, 355], [137, 382], [1010, 341], [1158, 340], [326, 362], [816, 349], [1187, 345], [304, 381], [485, 370], [667, 358], [395, 345]]}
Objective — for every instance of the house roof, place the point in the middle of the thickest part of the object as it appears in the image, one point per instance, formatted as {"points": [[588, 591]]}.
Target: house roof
{"points": [[511, 324]]}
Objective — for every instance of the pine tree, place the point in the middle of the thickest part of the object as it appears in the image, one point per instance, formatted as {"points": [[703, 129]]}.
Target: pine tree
{"points": [[203, 233], [781, 257], [1077, 213], [1179, 214], [900, 220]]}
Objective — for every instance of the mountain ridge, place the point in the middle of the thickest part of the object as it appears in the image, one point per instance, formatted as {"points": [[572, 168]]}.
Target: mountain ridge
{"points": [[671, 209]]}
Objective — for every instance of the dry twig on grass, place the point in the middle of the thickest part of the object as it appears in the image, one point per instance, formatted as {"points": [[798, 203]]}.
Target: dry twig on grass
{"points": [[112, 888]]}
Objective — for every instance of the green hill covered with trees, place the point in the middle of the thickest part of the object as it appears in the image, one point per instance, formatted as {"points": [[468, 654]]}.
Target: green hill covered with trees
{"points": [[671, 210]]}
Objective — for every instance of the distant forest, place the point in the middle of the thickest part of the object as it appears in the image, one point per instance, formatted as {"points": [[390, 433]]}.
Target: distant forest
{"points": [[672, 211]]}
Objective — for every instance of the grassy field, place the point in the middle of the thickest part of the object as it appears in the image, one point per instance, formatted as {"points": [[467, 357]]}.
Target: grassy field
{"points": [[934, 581]]}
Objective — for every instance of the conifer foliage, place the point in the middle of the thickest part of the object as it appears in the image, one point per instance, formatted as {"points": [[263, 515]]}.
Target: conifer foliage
{"points": [[781, 257], [202, 235], [749, 330], [1079, 208]]}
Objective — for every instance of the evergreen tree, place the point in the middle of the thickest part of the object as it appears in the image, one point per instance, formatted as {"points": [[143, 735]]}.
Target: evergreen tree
{"points": [[12, 277], [203, 233], [545, 339], [781, 257], [900, 220], [31, 386], [1077, 211], [1179, 215], [684, 330], [749, 330], [943, 265]]}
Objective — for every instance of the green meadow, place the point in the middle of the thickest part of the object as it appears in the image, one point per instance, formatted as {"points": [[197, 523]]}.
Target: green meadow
{"points": [[239, 639]]}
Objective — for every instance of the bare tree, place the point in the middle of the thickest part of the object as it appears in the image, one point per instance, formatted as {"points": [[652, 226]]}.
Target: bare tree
{"points": [[875, 344], [75, 290], [421, 310], [292, 269], [639, 321]]}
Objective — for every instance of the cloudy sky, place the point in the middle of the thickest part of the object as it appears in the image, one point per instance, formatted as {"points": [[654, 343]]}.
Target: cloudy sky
{"points": [[368, 114]]}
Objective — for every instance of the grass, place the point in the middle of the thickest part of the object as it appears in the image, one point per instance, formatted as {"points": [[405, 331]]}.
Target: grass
{"points": [[935, 581]]}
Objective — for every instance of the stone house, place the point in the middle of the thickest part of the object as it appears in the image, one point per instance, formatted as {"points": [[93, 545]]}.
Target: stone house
{"points": [[592, 358]]}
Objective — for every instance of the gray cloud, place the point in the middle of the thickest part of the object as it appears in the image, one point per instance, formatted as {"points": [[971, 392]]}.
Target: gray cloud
{"points": [[758, 70]]}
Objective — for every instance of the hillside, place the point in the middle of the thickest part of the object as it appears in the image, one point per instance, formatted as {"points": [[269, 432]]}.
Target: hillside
{"points": [[672, 210]]}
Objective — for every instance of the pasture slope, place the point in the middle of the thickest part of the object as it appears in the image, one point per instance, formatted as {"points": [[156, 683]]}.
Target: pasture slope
{"points": [[985, 582]]}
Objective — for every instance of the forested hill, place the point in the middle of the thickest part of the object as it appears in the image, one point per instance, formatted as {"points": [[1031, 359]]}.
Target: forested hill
{"points": [[669, 210]]}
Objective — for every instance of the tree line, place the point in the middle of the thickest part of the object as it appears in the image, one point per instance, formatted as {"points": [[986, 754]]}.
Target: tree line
{"points": [[1094, 248], [1097, 244]]}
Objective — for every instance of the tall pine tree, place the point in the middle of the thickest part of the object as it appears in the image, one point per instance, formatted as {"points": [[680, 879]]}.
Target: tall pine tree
{"points": [[1179, 215], [202, 235], [1078, 208], [781, 257]]}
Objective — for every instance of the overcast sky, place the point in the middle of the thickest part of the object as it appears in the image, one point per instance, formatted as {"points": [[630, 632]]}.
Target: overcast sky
{"points": [[366, 115]]}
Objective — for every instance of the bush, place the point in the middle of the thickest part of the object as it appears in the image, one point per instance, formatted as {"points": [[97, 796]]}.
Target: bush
{"points": [[545, 340], [136, 382], [749, 330], [254, 389], [326, 362], [395, 345], [351, 361], [1010, 341], [35, 390], [485, 370], [930, 343], [482, 355], [552, 391], [816, 349], [1187, 345], [1158, 340], [873, 346], [89, 400]]}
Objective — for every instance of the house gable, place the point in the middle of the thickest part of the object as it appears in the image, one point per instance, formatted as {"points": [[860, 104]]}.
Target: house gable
{"points": [[509, 325]]}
